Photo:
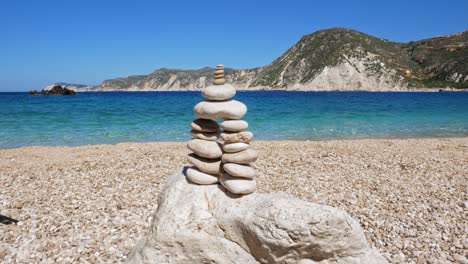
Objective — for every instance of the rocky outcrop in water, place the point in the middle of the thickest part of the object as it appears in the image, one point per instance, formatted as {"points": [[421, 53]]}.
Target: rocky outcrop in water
{"points": [[54, 90]]}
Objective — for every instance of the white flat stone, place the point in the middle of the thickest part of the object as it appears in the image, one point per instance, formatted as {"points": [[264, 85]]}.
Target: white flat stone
{"points": [[235, 147], [244, 157], [238, 185], [220, 110], [205, 125], [205, 149], [234, 125], [238, 170], [212, 166], [218, 92], [199, 177], [205, 135], [236, 137]]}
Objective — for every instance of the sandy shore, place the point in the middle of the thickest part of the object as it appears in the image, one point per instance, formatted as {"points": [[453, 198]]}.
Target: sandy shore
{"points": [[93, 203]]}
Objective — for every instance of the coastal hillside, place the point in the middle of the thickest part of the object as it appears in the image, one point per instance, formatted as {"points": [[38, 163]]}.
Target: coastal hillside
{"points": [[444, 60], [332, 59]]}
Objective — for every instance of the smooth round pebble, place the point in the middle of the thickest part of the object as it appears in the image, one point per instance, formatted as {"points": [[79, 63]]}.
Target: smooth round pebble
{"points": [[244, 157], [238, 170], [236, 137], [218, 92], [235, 147], [205, 125], [212, 166], [205, 135], [220, 110], [205, 149], [238, 185], [199, 177], [219, 81], [234, 125]]}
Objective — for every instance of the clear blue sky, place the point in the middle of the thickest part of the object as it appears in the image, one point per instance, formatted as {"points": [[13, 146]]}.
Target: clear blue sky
{"points": [[85, 42]]}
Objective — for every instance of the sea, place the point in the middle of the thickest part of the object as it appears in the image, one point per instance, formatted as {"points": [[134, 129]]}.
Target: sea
{"points": [[114, 117]]}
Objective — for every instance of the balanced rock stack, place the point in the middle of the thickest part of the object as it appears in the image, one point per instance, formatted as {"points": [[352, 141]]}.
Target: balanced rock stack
{"points": [[221, 156]]}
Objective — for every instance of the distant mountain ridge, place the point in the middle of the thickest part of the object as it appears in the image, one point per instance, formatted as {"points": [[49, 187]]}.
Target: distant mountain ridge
{"points": [[332, 59]]}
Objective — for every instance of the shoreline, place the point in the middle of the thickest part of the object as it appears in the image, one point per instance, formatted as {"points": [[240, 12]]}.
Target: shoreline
{"points": [[428, 90], [94, 203], [259, 141], [413, 90]]}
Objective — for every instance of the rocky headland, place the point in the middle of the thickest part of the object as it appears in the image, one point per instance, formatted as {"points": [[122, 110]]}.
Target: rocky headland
{"points": [[335, 59]]}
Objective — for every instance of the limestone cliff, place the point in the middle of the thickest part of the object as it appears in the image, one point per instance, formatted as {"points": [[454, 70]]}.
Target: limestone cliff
{"points": [[332, 59]]}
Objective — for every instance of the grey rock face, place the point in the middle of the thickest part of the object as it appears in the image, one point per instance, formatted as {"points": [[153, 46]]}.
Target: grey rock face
{"points": [[206, 224]]}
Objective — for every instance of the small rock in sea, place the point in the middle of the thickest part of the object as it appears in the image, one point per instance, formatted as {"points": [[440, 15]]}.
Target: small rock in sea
{"points": [[55, 90]]}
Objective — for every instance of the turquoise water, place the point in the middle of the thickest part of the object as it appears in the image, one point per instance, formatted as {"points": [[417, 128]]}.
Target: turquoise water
{"points": [[112, 117]]}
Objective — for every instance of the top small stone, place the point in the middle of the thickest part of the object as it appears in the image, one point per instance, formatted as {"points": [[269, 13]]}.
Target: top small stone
{"points": [[219, 75]]}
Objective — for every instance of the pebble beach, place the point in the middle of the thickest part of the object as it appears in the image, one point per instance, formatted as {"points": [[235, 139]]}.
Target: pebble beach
{"points": [[92, 204]]}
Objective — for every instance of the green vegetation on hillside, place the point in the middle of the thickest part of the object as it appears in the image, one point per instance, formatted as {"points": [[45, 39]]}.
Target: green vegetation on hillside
{"points": [[433, 63]]}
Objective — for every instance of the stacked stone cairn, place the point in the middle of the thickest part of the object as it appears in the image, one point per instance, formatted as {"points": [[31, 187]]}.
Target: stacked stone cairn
{"points": [[221, 155]]}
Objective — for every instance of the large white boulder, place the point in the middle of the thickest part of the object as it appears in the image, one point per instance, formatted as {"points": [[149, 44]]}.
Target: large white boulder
{"points": [[206, 224]]}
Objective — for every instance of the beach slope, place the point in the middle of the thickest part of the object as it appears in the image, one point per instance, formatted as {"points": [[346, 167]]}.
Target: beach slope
{"points": [[93, 203]]}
